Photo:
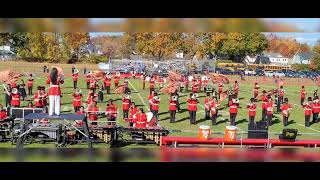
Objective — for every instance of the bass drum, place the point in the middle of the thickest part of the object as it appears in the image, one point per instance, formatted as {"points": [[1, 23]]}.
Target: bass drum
{"points": [[190, 78], [149, 116]]}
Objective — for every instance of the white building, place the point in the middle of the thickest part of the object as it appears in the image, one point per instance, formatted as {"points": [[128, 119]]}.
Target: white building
{"points": [[250, 59], [277, 59], [301, 58], [6, 53], [179, 55]]}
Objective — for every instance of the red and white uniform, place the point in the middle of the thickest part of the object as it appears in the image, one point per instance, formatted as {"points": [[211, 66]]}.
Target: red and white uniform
{"points": [[213, 107], [269, 108], [3, 114], [150, 97], [281, 92], [207, 104], [233, 106], [37, 101], [140, 121], [205, 82], [303, 94], [15, 100], [236, 88], [30, 82], [172, 105], [88, 78], [111, 111], [308, 109], [91, 99], [77, 100], [161, 81], [93, 83], [264, 101], [192, 104], [151, 83], [155, 105], [132, 112], [199, 82], [93, 113], [125, 104], [285, 108], [54, 89], [80, 123], [75, 77], [107, 81], [256, 90], [54, 97], [252, 109], [316, 108], [195, 87], [116, 80], [43, 96]]}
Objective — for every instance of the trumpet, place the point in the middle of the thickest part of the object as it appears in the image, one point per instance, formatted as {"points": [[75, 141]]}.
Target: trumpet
{"points": [[174, 98], [127, 96], [236, 101]]}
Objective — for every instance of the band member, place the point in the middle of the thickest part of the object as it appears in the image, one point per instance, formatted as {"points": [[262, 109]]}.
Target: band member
{"points": [[195, 86], [140, 119], [264, 100], [302, 95], [233, 109], [3, 113], [173, 107], [207, 106], [88, 78], [181, 86], [192, 107], [220, 89], [143, 77], [315, 110], [43, 96], [177, 101], [286, 108], [107, 83], [30, 84], [111, 111], [125, 105], [93, 84], [100, 95], [252, 107], [199, 82], [307, 111], [150, 97], [133, 74], [92, 97], [256, 90], [236, 89], [77, 96], [186, 82], [161, 81], [151, 84], [116, 79], [281, 93], [15, 97], [37, 98], [155, 105], [132, 111], [81, 111], [93, 111], [75, 76], [214, 110], [270, 106], [22, 90], [205, 83], [54, 92], [315, 93], [7, 96]]}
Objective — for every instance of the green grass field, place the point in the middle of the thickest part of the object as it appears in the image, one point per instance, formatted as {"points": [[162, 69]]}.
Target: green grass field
{"points": [[140, 97]]}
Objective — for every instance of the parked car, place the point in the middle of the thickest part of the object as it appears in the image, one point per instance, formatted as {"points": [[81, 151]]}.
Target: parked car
{"points": [[249, 72]]}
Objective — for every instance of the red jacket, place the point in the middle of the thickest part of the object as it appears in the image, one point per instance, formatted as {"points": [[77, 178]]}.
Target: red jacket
{"points": [[172, 105], [269, 107], [107, 82], [93, 83], [256, 90], [92, 111], [236, 88], [116, 80], [150, 97], [308, 109], [30, 82], [140, 121], [125, 104], [80, 123], [112, 110], [88, 78], [132, 112], [207, 104], [44, 98], [233, 106], [37, 101], [92, 99], [316, 108], [303, 93], [192, 104], [15, 100], [213, 107], [151, 83], [199, 82], [220, 88], [155, 105], [285, 109], [264, 101], [281, 93], [75, 77], [205, 83], [54, 89], [77, 100], [3, 114], [252, 109]]}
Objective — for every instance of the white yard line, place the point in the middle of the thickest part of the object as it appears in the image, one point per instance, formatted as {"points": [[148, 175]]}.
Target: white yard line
{"points": [[143, 102], [308, 127]]}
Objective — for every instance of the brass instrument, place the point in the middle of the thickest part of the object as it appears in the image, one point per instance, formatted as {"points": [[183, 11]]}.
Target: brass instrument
{"points": [[157, 98], [195, 96], [127, 96]]}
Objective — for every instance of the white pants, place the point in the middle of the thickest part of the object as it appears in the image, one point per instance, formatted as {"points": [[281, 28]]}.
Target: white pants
{"points": [[54, 105]]}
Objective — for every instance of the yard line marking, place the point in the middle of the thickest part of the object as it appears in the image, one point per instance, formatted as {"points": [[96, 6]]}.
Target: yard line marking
{"points": [[308, 127], [143, 102]]}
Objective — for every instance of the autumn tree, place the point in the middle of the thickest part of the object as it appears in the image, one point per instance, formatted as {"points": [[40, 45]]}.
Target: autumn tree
{"points": [[74, 42], [315, 61], [109, 45]]}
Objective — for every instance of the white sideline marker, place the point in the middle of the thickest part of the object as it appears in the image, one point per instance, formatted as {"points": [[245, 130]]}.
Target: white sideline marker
{"points": [[144, 103]]}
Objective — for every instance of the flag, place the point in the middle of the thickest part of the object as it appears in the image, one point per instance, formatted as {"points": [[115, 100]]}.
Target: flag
{"points": [[224, 95], [173, 76], [170, 88], [9, 76], [98, 74], [219, 78], [120, 89]]}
